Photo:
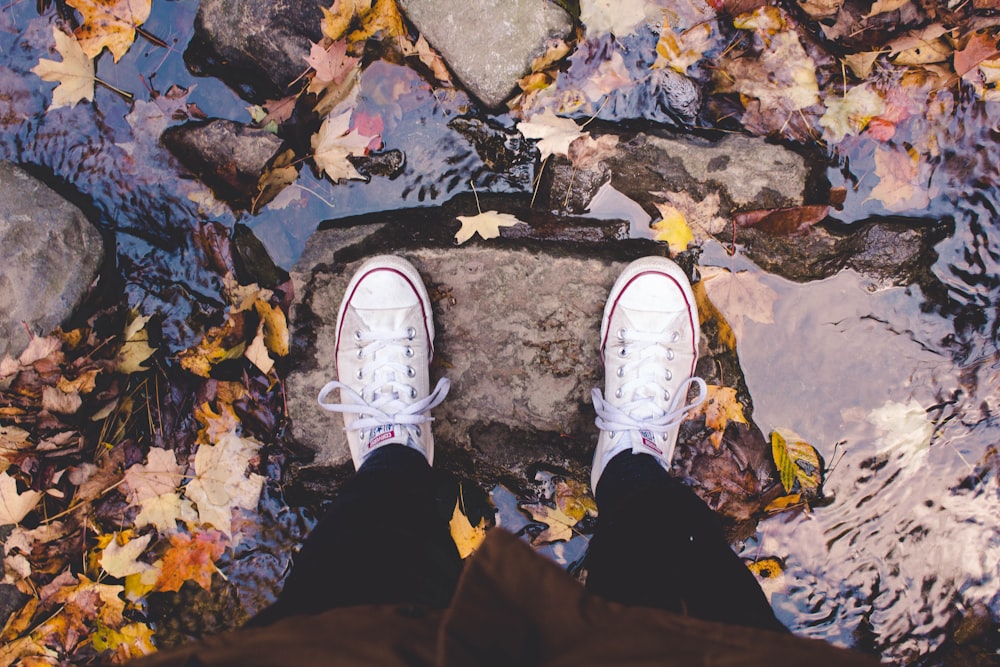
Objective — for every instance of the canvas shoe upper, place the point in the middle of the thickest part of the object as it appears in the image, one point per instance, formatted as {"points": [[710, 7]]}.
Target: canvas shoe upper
{"points": [[649, 345], [384, 344]]}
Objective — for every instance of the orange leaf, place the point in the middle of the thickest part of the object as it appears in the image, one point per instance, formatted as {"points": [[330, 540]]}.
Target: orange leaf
{"points": [[783, 221], [190, 558], [109, 23], [720, 407]]}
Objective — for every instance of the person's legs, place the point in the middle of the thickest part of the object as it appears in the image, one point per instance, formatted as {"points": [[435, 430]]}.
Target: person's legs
{"points": [[656, 543], [382, 539]]}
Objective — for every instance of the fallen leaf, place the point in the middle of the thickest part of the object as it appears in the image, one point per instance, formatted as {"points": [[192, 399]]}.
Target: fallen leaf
{"points": [[382, 19], [914, 39], [56, 400], [256, 352], [75, 73], [334, 143], [610, 75], [487, 225], [429, 57], [120, 558], [587, 152], [739, 296], [619, 17], [765, 21], [719, 408], [280, 172], [850, 113], [160, 474], [275, 327], [782, 503], [903, 428], [164, 511], [190, 558], [466, 536], [109, 23], [558, 524], [930, 51], [861, 64], [702, 216], [221, 483], [981, 46], [41, 347], [331, 63], [337, 19], [900, 185], [215, 425], [129, 641], [820, 9], [797, 462], [681, 51], [783, 221], [766, 568], [554, 134], [136, 350], [15, 506], [672, 228]]}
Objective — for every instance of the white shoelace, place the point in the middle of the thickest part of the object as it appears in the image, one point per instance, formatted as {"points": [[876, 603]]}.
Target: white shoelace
{"points": [[641, 412], [392, 400]]}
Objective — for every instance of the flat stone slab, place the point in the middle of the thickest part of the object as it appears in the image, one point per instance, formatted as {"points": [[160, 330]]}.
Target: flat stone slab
{"points": [[50, 253], [517, 334], [489, 44]]}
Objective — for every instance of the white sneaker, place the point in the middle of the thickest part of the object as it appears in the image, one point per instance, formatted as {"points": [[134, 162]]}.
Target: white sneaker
{"points": [[384, 345], [649, 345]]}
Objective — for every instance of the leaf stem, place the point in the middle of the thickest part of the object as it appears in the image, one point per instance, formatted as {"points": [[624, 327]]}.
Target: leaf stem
{"points": [[127, 96]]}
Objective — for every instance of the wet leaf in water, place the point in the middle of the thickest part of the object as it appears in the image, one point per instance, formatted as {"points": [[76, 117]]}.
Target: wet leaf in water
{"points": [[109, 23], [739, 296], [120, 558], [136, 350], [901, 185], [190, 558], [221, 483], [681, 51], [75, 73], [554, 134], [466, 536], [334, 143], [719, 408], [783, 221], [619, 17], [851, 113], [570, 503], [798, 463], [672, 228]]}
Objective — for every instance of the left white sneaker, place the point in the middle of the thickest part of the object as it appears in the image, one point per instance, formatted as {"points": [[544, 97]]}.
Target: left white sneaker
{"points": [[384, 345], [649, 345]]}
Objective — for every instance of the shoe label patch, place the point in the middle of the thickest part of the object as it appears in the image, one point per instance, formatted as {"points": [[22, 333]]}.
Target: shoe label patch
{"points": [[380, 434], [648, 441]]}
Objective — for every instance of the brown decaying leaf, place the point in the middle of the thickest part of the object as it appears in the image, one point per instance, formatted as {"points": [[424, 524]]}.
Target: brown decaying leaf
{"points": [[739, 296], [109, 23], [981, 46], [783, 221]]}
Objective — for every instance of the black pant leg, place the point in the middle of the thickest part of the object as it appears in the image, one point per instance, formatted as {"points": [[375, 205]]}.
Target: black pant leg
{"points": [[382, 540], [657, 544]]}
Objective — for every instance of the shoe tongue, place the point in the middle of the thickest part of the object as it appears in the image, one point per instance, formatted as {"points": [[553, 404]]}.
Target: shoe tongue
{"points": [[648, 320], [383, 319], [387, 434]]}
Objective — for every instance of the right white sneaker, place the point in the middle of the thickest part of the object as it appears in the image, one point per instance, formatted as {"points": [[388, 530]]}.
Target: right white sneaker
{"points": [[649, 345], [384, 345]]}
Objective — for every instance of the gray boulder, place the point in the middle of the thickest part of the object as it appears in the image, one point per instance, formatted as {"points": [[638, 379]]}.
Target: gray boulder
{"points": [[50, 253], [489, 44]]}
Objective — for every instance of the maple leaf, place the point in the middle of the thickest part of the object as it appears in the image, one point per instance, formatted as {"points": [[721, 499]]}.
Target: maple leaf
{"points": [[332, 145], [15, 506], [862, 63], [160, 474], [75, 73], [672, 227], [571, 502], [587, 152], [190, 558], [331, 63], [221, 484], [337, 19], [164, 511], [900, 185], [739, 296], [555, 134], [619, 17], [109, 23], [851, 113], [611, 75], [487, 225], [136, 350], [467, 537], [129, 641], [719, 408], [702, 217], [783, 78], [120, 557], [797, 462], [214, 424]]}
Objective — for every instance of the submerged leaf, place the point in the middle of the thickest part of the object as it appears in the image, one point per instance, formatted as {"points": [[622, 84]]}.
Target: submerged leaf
{"points": [[467, 537], [487, 225], [739, 296], [75, 73], [109, 23], [797, 462]]}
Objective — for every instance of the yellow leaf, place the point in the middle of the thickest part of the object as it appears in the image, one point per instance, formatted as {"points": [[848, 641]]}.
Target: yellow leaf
{"points": [[120, 558], [766, 568], [672, 228], [383, 20], [766, 20], [15, 506], [684, 50], [75, 73], [467, 537], [571, 502], [275, 327], [719, 408], [129, 641], [109, 23], [337, 19], [796, 461], [334, 143], [850, 113], [784, 502], [487, 225], [256, 352], [136, 349], [862, 63], [554, 133]]}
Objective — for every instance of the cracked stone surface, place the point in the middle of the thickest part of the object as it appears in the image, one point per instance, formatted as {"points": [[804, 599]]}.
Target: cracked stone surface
{"points": [[488, 44]]}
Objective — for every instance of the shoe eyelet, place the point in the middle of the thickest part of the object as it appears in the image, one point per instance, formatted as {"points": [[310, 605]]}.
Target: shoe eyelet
{"points": [[360, 374], [621, 334], [408, 352], [361, 353], [666, 395], [618, 393], [411, 372], [620, 372], [612, 434], [417, 429], [357, 335], [623, 351], [670, 354], [413, 392], [670, 375], [411, 333], [676, 336]]}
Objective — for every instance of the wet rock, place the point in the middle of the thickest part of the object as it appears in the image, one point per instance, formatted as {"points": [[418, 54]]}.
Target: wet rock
{"points": [[256, 48], [51, 255], [745, 172], [489, 44], [225, 155], [889, 252], [498, 147]]}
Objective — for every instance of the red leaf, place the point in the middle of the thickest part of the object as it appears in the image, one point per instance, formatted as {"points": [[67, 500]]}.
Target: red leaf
{"points": [[980, 47], [783, 221]]}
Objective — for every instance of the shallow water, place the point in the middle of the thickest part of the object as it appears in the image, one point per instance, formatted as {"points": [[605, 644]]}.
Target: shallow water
{"points": [[911, 538]]}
